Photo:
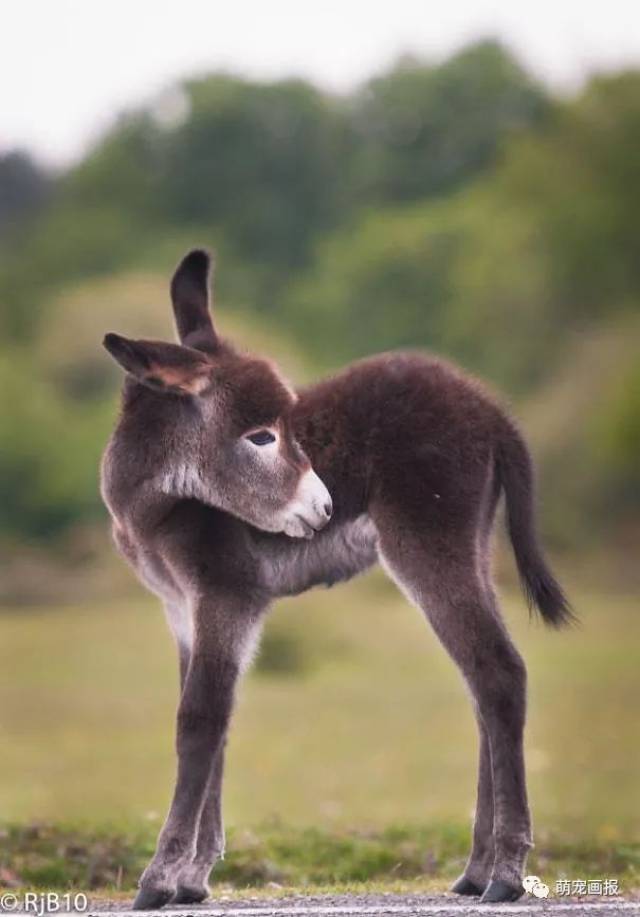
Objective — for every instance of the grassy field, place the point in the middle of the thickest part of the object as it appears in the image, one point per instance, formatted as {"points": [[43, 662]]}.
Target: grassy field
{"points": [[278, 858], [354, 736]]}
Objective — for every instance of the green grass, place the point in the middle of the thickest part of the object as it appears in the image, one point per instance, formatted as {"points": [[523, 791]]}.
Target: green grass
{"points": [[355, 717], [277, 855]]}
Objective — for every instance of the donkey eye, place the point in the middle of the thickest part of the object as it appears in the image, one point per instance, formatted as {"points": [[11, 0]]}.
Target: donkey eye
{"points": [[261, 438]]}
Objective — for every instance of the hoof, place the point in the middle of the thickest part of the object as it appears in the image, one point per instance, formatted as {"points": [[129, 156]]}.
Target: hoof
{"points": [[464, 886], [151, 899], [497, 890], [190, 894]]}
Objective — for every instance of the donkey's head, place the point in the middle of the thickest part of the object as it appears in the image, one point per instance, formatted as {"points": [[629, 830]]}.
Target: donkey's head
{"points": [[223, 419]]}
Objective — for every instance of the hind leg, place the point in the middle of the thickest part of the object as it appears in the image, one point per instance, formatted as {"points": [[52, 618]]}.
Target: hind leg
{"points": [[475, 877], [440, 573], [477, 872]]}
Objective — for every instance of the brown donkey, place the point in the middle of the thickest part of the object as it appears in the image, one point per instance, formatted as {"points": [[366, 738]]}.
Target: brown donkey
{"points": [[228, 490]]}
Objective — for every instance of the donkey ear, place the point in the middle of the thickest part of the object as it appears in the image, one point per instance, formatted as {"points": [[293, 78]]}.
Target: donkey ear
{"points": [[163, 367], [190, 298]]}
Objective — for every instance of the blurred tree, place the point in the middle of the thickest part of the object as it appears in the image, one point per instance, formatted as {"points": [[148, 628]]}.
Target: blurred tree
{"points": [[580, 180], [49, 454], [264, 164], [454, 207], [125, 169], [463, 276], [24, 189], [68, 243], [615, 441], [383, 282], [425, 130]]}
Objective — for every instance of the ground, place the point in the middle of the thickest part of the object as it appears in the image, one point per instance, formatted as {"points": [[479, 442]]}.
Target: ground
{"points": [[387, 905]]}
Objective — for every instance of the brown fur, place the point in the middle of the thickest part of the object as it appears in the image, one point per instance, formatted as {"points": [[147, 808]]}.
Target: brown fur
{"points": [[414, 455]]}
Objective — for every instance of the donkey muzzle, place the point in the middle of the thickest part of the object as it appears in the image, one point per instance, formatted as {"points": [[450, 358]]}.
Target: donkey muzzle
{"points": [[311, 508]]}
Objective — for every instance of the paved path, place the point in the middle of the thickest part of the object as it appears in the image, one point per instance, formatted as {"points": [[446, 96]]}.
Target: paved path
{"points": [[385, 906]]}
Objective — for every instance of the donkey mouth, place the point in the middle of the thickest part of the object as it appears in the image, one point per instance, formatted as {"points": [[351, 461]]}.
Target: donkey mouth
{"points": [[308, 531]]}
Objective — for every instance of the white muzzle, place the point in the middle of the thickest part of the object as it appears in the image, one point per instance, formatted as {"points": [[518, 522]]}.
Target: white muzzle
{"points": [[310, 509]]}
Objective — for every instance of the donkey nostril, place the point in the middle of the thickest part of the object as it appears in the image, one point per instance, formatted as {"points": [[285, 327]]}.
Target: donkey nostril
{"points": [[328, 508]]}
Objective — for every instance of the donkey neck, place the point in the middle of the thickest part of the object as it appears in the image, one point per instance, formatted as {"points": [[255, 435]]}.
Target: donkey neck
{"points": [[144, 435], [335, 438]]}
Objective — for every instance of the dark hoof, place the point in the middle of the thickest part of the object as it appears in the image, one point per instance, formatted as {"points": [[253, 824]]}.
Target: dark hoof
{"points": [[497, 890], [464, 886], [150, 899], [193, 895]]}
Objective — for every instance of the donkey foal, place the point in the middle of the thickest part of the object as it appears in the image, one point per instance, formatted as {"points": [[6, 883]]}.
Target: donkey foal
{"points": [[228, 490]]}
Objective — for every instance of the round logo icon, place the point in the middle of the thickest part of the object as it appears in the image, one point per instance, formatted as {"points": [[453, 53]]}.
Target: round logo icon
{"points": [[533, 886]]}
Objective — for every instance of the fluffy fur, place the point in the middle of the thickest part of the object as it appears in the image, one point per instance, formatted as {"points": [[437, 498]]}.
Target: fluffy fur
{"points": [[410, 457]]}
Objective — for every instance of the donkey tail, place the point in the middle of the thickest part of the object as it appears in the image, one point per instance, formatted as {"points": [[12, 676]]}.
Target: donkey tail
{"points": [[515, 473]]}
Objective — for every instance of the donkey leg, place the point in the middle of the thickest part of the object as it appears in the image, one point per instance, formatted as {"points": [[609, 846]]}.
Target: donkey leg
{"points": [[178, 615], [504, 710], [475, 877], [193, 881], [203, 717], [452, 595]]}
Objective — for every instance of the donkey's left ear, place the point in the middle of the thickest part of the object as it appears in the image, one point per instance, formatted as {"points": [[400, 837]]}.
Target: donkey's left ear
{"points": [[191, 301], [166, 368]]}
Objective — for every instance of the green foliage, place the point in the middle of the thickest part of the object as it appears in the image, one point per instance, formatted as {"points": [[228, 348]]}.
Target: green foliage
{"points": [[24, 190], [427, 130], [260, 164], [267, 169], [616, 444], [580, 180], [455, 207], [49, 455], [384, 282]]}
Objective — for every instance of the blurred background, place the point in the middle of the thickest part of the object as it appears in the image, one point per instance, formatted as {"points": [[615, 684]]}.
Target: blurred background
{"points": [[370, 179]]}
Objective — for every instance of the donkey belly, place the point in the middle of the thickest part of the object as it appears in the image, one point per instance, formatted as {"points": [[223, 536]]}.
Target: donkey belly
{"points": [[332, 556]]}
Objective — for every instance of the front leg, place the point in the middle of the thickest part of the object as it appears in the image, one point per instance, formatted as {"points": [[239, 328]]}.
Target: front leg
{"points": [[193, 881], [222, 633]]}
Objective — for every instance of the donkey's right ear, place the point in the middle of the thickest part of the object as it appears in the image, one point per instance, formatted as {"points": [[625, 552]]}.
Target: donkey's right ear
{"points": [[162, 367], [191, 304], [129, 354]]}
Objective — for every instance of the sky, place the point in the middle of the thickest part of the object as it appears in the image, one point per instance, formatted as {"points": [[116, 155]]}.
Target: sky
{"points": [[67, 67]]}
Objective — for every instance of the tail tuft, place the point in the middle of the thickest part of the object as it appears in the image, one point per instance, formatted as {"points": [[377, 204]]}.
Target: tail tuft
{"points": [[543, 592]]}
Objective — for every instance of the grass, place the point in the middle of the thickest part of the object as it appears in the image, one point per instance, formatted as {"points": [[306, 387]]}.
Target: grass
{"points": [[277, 856], [355, 717]]}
